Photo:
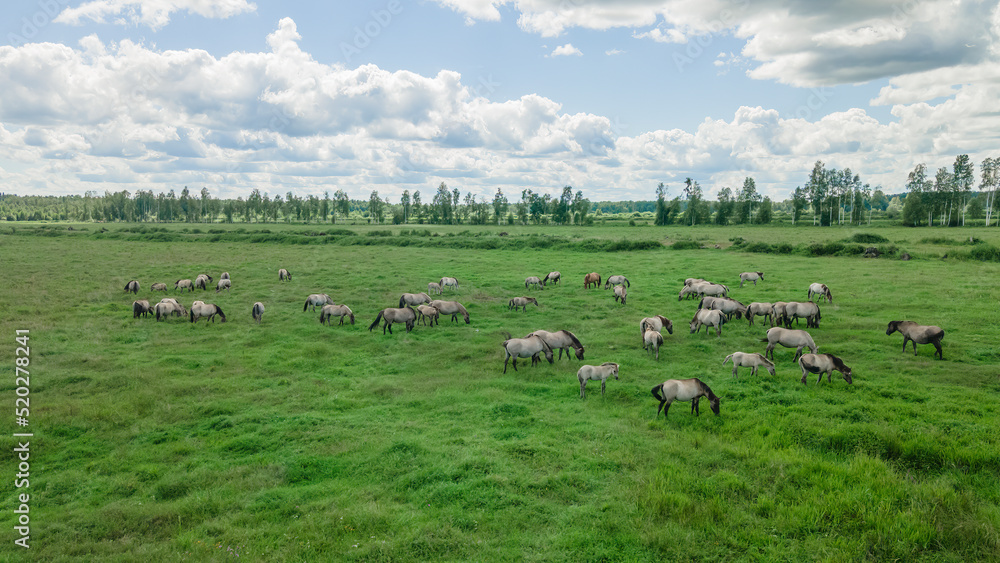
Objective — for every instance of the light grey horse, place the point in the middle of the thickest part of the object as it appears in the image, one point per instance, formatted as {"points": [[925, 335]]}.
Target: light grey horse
{"points": [[652, 339], [532, 281], [751, 276], [821, 290], [750, 360], [603, 372], [283, 275], [824, 363], [918, 334], [561, 340], [453, 308], [708, 317], [414, 299], [528, 347], [788, 338], [404, 315], [616, 280], [258, 311], [317, 300], [553, 277], [132, 287], [209, 310], [684, 390], [521, 302], [327, 313]]}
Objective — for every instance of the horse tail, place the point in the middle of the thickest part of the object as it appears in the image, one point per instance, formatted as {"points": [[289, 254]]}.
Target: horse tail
{"points": [[627, 284], [401, 301], [509, 335], [728, 358], [656, 392], [306, 306], [192, 314], [377, 319]]}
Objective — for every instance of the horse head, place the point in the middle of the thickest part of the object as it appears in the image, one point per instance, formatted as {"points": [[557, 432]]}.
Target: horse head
{"points": [[893, 327], [579, 355], [713, 402]]}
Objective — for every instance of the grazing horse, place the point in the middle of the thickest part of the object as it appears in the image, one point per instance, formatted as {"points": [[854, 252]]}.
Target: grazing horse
{"points": [[425, 312], [327, 313], [758, 308], [449, 282], [404, 315], [166, 308], [751, 276], [561, 340], [453, 308], [713, 289], [434, 288], [824, 363], [132, 287], [729, 307], [413, 299], [657, 323], [708, 317], [691, 281], [224, 276], [808, 311], [283, 275], [616, 280], [224, 283], [317, 300], [258, 311], [591, 278], [621, 293], [652, 338], [553, 277], [201, 282], [141, 307], [788, 338], [528, 347], [532, 281], [820, 289], [184, 284], [521, 302], [748, 360], [602, 372], [687, 291], [199, 309], [158, 287], [919, 334], [684, 390]]}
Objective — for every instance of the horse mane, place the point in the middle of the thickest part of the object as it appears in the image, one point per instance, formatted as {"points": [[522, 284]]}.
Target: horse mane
{"points": [[705, 388], [572, 337], [837, 362]]}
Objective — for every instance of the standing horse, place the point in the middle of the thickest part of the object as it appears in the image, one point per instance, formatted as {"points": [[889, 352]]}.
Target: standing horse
{"points": [[132, 287], [788, 338], [532, 281], [449, 282], [405, 315], [820, 289], [621, 293], [561, 340], [592, 278], [729, 307], [616, 280], [453, 308], [317, 300], [708, 317], [652, 338], [808, 311], [327, 313], [758, 308], [602, 372], [528, 347], [413, 299], [657, 323], [919, 334], [553, 277], [224, 283], [257, 312], [425, 312], [283, 275], [184, 284], [158, 287], [521, 302], [751, 276], [824, 363], [684, 390], [434, 288], [752, 361], [199, 309], [141, 307]]}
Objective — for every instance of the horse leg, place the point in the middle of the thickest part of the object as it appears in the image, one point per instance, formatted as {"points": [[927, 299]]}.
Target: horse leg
{"points": [[505, 360], [583, 385], [694, 406], [798, 353], [769, 351], [940, 351], [602, 386]]}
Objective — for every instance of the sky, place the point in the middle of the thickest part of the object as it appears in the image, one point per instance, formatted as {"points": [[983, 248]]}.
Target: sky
{"points": [[609, 97]]}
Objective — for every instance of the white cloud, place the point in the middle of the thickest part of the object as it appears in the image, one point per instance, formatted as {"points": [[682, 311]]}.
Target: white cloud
{"points": [[565, 51], [151, 13], [73, 119], [612, 52]]}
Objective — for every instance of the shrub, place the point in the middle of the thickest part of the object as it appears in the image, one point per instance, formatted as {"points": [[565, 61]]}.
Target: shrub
{"points": [[985, 253], [685, 245], [867, 238]]}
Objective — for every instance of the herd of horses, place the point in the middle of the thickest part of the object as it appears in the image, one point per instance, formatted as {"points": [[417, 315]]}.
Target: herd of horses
{"points": [[715, 308]]}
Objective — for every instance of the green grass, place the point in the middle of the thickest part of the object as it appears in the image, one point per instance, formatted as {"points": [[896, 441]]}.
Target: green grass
{"points": [[292, 441]]}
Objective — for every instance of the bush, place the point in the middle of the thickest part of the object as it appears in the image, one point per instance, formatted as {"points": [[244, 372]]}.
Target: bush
{"points": [[867, 238], [985, 253], [685, 245]]}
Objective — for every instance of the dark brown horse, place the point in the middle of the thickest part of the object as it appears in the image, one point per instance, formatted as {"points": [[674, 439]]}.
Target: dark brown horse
{"points": [[592, 278]]}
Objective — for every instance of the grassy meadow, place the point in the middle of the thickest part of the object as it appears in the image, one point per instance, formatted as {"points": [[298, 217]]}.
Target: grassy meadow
{"points": [[292, 441]]}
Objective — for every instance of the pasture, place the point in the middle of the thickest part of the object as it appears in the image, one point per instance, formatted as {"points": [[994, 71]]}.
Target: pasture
{"points": [[295, 441]]}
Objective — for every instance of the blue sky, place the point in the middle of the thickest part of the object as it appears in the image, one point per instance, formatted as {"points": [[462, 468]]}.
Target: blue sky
{"points": [[609, 97]]}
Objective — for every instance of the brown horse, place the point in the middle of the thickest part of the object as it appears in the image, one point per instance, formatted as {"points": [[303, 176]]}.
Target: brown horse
{"points": [[919, 334], [592, 278]]}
